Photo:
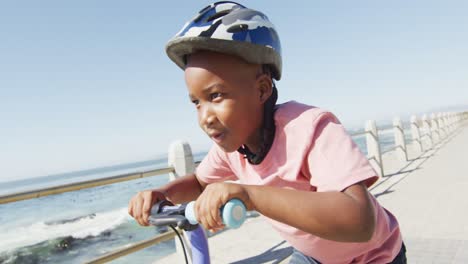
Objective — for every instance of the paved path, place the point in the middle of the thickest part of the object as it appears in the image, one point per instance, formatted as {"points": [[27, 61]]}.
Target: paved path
{"points": [[428, 194], [430, 199]]}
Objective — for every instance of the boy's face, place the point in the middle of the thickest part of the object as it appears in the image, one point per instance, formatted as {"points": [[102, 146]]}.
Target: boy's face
{"points": [[229, 97]]}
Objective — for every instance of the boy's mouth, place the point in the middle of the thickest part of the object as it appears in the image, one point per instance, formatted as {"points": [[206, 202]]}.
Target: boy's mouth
{"points": [[217, 137]]}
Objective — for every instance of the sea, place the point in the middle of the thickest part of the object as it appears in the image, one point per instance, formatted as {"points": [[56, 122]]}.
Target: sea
{"points": [[76, 227]]}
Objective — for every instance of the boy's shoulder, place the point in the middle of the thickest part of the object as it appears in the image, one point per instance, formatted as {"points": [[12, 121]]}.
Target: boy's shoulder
{"points": [[295, 114]]}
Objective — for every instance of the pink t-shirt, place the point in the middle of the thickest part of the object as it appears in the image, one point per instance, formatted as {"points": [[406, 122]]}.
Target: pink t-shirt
{"points": [[312, 152]]}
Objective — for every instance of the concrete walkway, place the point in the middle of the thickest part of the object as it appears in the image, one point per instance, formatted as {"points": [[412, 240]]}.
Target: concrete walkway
{"points": [[430, 199], [428, 195]]}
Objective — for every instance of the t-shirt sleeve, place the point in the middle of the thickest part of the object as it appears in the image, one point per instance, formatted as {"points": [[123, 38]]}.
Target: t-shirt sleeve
{"points": [[215, 167], [334, 160]]}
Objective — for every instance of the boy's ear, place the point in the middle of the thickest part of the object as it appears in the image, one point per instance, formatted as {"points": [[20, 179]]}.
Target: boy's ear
{"points": [[265, 87]]}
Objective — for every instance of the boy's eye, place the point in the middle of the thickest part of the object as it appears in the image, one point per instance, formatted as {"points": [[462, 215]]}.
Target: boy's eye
{"points": [[195, 102], [215, 95]]}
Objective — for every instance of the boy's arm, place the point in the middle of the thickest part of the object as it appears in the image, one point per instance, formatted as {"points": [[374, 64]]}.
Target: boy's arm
{"points": [[346, 216], [183, 189]]}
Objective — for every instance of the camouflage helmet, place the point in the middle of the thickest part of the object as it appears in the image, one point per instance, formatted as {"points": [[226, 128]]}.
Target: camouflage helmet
{"points": [[229, 28]]}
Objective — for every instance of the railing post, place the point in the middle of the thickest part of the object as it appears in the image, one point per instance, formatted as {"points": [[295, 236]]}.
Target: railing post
{"points": [[452, 116], [435, 129], [455, 123], [373, 147], [444, 124], [443, 131], [455, 120], [447, 123], [400, 142], [416, 133], [450, 121], [181, 158], [427, 130]]}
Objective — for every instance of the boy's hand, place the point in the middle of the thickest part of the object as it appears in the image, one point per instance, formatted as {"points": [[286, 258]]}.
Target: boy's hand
{"points": [[213, 198], [140, 205]]}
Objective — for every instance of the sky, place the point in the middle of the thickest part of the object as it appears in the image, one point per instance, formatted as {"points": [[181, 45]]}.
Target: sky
{"points": [[85, 84]]}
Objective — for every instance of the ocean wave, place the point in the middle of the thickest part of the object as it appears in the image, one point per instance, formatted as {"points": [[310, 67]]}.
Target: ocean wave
{"points": [[77, 228], [70, 220]]}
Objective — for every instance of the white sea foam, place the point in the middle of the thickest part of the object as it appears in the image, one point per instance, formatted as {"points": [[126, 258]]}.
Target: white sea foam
{"points": [[82, 228]]}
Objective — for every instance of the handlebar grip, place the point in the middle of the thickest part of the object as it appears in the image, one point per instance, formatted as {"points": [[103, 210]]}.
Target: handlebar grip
{"points": [[233, 213]]}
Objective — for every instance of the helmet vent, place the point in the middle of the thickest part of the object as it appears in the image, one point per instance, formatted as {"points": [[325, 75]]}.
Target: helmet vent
{"points": [[204, 9], [237, 28], [218, 15]]}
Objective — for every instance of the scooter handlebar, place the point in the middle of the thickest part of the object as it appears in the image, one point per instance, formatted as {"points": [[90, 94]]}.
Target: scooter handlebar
{"points": [[233, 213]]}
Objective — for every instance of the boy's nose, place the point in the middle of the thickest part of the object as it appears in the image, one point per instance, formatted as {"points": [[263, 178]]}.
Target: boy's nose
{"points": [[207, 116]]}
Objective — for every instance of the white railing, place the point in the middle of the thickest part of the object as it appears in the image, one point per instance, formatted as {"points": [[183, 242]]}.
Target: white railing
{"points": [[180, 162], [426, 132], [19, 196]]}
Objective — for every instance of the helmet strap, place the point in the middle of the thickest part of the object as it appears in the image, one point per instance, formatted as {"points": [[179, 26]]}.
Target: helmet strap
{"points": [[268, 131]]}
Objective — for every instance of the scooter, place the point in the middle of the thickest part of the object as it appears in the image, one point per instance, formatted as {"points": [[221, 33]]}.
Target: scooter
{"points": [[164, 213]]}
